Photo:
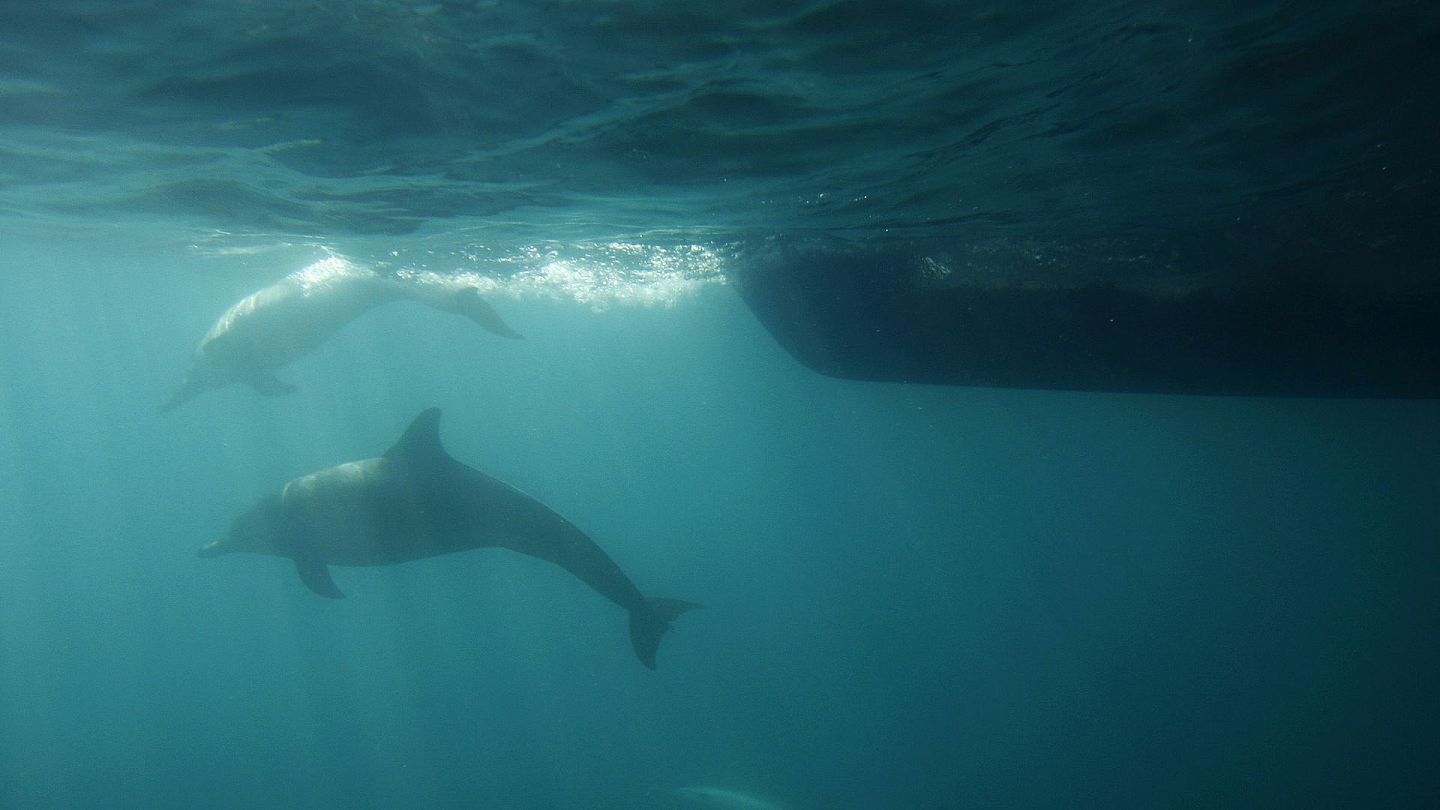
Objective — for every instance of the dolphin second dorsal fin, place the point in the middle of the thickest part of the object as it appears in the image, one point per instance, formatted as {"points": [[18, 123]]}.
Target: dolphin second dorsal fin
{"points": [[421, 441]]}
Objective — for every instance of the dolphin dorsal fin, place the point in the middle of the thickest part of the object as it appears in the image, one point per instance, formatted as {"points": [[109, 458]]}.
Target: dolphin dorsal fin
{"points": [[421, 442]]}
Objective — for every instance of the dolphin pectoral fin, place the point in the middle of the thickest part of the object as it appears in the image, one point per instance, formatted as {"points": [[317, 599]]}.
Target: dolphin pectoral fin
{"points": [[469, 303], [270, 385], [648, 625], [316, 576]]}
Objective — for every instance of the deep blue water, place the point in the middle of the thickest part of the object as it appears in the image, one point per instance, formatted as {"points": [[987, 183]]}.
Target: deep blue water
{"points": [[916, 597]]}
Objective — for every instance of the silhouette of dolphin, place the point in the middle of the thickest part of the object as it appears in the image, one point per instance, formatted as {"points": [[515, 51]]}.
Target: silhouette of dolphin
{"points": [[275, 326], [718, 798], [417, 501]]}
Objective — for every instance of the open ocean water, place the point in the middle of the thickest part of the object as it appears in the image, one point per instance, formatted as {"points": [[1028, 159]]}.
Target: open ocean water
{"points": [[916, 597]]}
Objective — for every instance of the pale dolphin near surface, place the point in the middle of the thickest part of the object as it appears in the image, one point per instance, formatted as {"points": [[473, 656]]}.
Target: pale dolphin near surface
{"points": [[417, 501], [275, 326], [718, 798]]}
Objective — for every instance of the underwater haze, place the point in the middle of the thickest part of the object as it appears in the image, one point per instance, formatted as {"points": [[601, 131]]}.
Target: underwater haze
{"points": [[915, 597]]}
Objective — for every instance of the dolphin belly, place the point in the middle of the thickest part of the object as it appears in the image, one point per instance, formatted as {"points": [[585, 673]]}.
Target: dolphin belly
{"points": [[285, 321]]}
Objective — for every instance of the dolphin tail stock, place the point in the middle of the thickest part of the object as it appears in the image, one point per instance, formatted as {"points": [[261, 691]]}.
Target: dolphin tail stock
{"points": [[468, 302], [649, 623]]}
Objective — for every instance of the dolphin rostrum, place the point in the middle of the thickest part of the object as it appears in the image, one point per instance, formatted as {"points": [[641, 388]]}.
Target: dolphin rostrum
{"points": [[417, 501]]}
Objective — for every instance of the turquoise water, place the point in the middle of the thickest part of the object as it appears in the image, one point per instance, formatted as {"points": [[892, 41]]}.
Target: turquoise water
{"points": [[916, 597]]}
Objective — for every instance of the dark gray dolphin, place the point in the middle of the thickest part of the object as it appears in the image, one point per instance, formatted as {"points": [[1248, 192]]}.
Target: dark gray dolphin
{"points": [[274, 327], [416, 501]]}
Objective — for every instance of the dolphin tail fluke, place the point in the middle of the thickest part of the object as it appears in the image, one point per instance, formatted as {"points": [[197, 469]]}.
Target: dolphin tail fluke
{"points": [[648, 626], [468, 302]]}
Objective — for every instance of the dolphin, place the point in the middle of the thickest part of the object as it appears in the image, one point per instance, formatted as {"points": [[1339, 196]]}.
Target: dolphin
{"points": [[275, 326], [417, 501], [718, 798]]}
